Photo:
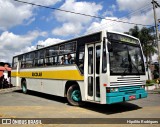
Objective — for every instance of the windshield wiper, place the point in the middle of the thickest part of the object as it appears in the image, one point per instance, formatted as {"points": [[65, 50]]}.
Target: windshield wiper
{"points": [[135, 67], [130, 64], [124, 71], [130, 61]]}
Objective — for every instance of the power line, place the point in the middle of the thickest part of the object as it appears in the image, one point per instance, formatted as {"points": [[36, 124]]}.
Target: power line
{"points": [[147, 6], [93, 16], [144, 8], [136, 11]]}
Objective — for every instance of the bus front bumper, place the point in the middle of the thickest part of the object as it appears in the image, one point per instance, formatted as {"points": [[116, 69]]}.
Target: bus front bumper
{"points": [[116, 97]]}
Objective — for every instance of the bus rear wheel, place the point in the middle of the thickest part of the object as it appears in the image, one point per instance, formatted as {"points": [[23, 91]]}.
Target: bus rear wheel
{"points": [[74, 96], [24, 86]]}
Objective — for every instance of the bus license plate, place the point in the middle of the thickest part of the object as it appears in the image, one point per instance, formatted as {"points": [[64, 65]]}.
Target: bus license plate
{"points": [[132, 97]]}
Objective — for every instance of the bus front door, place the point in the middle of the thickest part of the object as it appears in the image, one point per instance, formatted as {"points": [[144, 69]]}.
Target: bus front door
{"points": [[92, 70]]}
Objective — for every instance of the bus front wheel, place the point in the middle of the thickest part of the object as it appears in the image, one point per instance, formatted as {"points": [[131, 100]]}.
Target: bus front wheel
{"points": [[24, 86], [74, 96]]}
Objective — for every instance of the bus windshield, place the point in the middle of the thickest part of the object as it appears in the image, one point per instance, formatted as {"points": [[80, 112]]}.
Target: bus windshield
{"points": [[126, 59]]}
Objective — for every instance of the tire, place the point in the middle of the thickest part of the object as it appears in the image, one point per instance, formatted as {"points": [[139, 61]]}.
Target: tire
{"points": [[74, 96], [24, 86]]}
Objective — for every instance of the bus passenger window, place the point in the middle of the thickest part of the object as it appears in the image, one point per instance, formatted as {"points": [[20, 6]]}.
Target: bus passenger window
{"points": [[73, 58], [55, 62], [62, 61], [15, 61], [41, 57], [81, 59], [70, 59]]}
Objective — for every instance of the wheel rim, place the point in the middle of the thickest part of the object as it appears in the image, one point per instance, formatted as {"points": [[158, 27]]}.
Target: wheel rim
{"points": [[76, 96]]}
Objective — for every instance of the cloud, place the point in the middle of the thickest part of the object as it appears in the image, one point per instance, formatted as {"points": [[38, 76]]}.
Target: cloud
{"points": [[143, 18], [74, 20], [13, 13], [11, 44], [49, 41], [132, 4], [41, 2], [109, 25], [67, 29]]}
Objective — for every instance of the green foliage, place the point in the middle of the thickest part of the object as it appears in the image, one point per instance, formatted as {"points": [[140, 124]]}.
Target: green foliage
{"points": [[135, 31], [150, 82], [146, 38]]}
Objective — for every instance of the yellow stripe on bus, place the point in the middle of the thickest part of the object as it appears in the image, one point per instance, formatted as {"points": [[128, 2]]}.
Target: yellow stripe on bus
{"points": [[58, 74], [14, 74]]}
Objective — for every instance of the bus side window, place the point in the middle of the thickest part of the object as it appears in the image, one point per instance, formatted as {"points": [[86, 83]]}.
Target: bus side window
{"points": [[41, 57], [23, 63], [55, 62], [73, 58], [81, 59], [60, 62], [15, 61]]}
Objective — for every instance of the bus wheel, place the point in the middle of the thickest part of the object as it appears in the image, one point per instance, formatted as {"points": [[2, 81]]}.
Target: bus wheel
{"points": [[74, 96], [24, 86]]}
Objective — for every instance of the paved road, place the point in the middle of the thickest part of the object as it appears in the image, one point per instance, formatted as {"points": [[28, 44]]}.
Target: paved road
{"points": [[15, 104]]}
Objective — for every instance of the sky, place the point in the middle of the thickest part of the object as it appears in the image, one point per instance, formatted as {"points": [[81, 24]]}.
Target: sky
{"points": [[24, 26]]}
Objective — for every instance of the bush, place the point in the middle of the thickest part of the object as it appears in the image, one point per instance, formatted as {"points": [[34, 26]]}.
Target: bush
{"points": [[150, 82]]}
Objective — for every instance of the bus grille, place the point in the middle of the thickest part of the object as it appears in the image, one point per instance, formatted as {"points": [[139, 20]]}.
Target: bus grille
{"points": [[127, 81]]}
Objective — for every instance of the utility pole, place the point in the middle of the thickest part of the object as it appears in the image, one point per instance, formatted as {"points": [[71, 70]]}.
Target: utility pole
{"points": [[156, 5]]}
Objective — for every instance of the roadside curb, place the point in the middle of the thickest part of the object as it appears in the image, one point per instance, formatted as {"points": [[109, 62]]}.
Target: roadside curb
{"points": [[7, 90], [153, 87], [155, 91]]}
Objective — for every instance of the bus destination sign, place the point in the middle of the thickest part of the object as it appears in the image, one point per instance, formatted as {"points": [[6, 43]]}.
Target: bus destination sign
{"points": [[122, 38]]}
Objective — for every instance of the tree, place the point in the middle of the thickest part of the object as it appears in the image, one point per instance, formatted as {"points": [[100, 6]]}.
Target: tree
{"points": [[147, 41], [135, 31]]}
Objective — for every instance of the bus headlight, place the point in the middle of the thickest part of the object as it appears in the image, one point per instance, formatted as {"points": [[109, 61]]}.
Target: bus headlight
{"points": [[108, 90], [113, 89], [143, 86]]}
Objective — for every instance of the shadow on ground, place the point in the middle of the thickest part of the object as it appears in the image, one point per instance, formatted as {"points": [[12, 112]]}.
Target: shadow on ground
{"points": [[113, 108], [45, 96], [100, 108]]}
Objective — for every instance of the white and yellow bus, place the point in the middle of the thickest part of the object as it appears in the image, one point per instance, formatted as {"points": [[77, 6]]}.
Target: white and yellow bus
{"points": [[104, 67]]}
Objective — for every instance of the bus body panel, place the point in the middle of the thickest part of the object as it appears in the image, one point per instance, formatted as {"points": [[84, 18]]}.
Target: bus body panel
{"points": [[126, 94], [45, 79]]}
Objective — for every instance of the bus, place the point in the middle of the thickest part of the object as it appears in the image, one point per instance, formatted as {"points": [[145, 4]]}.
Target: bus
{"points": [[105, 67]]}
